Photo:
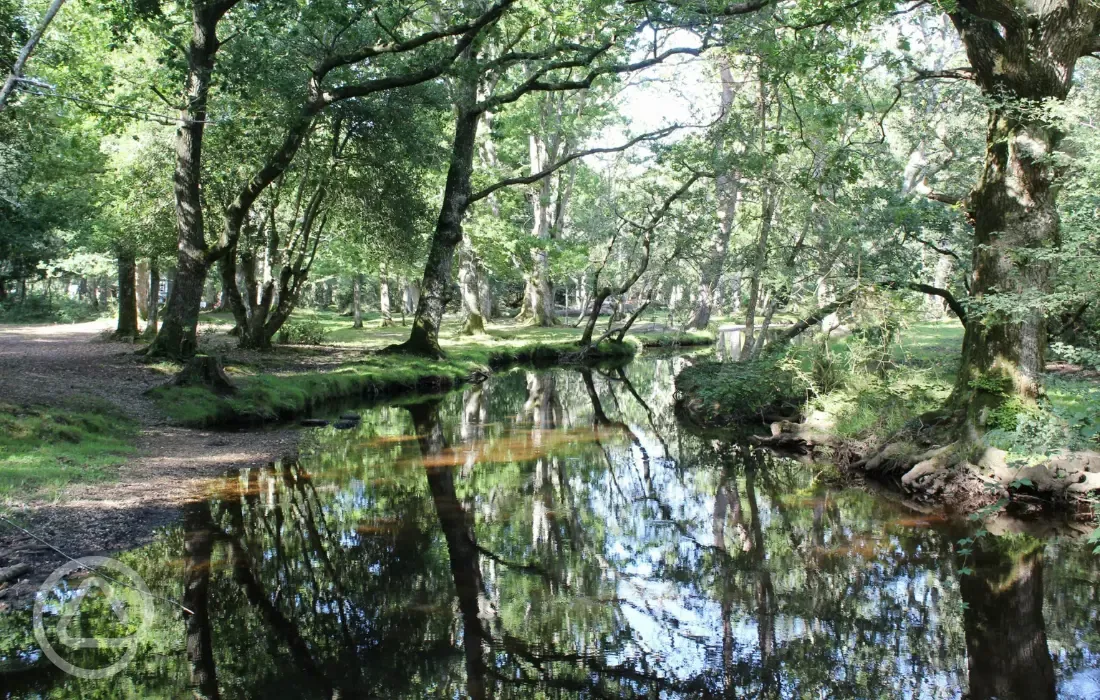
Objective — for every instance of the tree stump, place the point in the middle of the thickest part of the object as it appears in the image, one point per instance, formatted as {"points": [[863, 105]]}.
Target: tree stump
{"points": [[204, 371]]}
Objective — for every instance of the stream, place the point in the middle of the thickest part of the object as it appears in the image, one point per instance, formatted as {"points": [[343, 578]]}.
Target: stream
{"points": [[556, 534]]}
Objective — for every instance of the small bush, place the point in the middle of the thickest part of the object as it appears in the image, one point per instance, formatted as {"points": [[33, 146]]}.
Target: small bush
{"points": [[302, 333]]}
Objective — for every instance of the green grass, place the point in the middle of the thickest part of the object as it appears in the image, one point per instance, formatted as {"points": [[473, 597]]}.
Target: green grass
{"points": [[267, 397], [925, 360], [43, 449]]}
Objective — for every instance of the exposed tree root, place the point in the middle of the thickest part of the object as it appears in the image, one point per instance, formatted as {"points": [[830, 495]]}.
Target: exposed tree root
{"points": [[930, 464]]}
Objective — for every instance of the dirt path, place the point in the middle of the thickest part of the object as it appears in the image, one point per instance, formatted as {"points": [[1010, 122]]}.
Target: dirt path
{"points": [[55, 365]]}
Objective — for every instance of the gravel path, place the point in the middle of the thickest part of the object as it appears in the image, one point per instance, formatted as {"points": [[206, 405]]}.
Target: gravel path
{"points": [[56, 365]]}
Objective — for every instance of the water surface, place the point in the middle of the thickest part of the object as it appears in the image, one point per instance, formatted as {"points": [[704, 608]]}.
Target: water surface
{"points": [[556, 534]]}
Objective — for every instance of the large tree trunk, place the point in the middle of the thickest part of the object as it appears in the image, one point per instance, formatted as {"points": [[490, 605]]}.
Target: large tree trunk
{"points": [[127, 297], [1023, 55], [384, 296], [357, 300], [435, 287], [177, 337]]}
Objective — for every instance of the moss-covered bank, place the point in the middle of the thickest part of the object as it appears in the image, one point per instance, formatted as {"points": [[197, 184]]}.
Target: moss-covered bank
{"points": [[266, 398]]}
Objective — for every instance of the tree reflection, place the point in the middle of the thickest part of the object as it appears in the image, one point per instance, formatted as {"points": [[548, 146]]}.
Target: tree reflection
{"points": [[1006, 640], [553, 534]]}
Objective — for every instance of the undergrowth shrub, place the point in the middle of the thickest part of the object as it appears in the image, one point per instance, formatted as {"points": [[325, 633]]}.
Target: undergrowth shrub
{"points": [[57, 309], [302, 333]]}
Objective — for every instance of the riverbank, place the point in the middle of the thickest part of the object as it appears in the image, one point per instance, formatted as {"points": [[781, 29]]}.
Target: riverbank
{"points": [[96, 457], [874, 416], [262, 398]]}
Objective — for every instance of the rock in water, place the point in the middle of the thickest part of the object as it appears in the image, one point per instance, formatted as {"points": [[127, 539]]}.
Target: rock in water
{"points": [[345, 424], [313, 422]]}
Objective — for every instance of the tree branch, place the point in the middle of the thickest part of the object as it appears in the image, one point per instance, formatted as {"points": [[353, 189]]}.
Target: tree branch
{"points": [[528, 179]]}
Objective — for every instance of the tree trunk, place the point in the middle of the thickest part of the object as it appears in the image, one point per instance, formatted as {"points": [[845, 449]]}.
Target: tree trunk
{"points": [[356, 300], [152, 314], [178, 335], [760, 260], [457, 525], [435, 287], [142, 290], [127, 297], [1023, 56], [384, 297], [469, 287], [728, 190]]}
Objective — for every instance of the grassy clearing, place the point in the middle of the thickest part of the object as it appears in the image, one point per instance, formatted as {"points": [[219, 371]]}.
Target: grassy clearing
{"points": [[266, 397], [866, 404], [43, 449]]}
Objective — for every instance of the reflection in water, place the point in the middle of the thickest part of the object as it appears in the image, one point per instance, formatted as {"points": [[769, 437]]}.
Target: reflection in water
{"points": [[554, 534]]}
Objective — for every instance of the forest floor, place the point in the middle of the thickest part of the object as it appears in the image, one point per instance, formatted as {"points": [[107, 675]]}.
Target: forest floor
{"points": [[48, 375]]}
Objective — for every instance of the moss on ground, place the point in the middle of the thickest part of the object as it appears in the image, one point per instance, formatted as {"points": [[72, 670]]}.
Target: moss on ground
{"points": [[725, 394], [263, 398], [44, 448]]}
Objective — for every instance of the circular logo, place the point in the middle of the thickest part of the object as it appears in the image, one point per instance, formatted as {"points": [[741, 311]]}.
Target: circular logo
{"points": [[69, 604]]}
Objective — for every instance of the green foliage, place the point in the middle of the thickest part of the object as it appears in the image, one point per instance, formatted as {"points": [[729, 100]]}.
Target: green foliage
{"points": [[37, 308], [1086, 357], [44, 448], [304, 332]]}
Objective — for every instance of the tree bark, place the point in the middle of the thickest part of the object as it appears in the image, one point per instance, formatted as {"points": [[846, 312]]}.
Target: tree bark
{"points": [[177, 337], [127, 296], [384, 297], [728, 189], [470, 286], [1023, 56], [356, 300], [198, 547], [152, 314]]}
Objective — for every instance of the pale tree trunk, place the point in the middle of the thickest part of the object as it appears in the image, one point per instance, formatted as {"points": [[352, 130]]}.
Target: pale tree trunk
{"points": [[127, 297], [356, 300], [728, 191], [469, 287], [1023, 55], [384, 297], [152, 314], [143, 290]]}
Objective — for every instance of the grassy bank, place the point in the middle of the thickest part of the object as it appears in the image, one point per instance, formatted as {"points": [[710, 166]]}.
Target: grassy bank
{"points": [[43, 449], [266, 397]]}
